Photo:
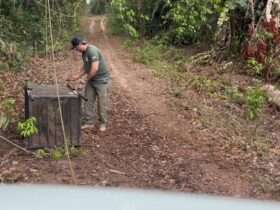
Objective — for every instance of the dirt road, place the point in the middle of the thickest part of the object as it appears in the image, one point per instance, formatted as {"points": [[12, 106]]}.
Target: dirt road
{"points": [[175, 158]]}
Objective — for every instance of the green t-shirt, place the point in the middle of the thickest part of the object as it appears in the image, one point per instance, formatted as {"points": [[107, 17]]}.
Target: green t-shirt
{"points": [[91, 55]]}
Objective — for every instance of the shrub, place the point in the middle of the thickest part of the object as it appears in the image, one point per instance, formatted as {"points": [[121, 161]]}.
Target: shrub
{"points": [[28, 128], [255, 101]]}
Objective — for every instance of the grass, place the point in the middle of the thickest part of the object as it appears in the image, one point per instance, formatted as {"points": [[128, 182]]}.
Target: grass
{"points": [[165, 62], [59, 153], [172, 64], [255, 101]]}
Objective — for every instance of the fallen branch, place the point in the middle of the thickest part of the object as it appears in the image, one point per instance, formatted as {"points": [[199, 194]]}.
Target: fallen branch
{"points": [[117, 172], [16, 145]]}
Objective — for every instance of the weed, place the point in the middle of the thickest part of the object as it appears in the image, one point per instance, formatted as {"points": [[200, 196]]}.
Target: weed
{"points": [[165, 62], [41, 154], [148, 53], [254, 67], [57, 153], [128, 43], [234, 95], [255, 101], [200, 83], [75, 152], [28, 128]]}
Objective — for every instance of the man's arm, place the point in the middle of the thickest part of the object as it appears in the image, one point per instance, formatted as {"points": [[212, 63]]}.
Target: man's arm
{"points": [[93, 70]]}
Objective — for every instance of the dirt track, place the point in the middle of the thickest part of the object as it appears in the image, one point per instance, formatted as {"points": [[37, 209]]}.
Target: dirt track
{"points": [[148, 144]]}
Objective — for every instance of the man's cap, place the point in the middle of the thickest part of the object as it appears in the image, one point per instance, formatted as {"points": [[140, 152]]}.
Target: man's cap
{"points": [[76, 41]]}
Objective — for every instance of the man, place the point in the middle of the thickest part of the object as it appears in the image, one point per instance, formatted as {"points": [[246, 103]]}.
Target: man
{"points": [[95, 67]]}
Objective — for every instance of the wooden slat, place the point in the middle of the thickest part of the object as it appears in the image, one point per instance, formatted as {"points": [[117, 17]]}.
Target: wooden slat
{"points": [[29, 111], [67, 119], [51, 104], [43, 107], [35, 112], [59, 134], [75, 121]]}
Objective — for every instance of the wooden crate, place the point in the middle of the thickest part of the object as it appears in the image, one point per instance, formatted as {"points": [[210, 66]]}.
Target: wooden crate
{"points": [[41, 102]]}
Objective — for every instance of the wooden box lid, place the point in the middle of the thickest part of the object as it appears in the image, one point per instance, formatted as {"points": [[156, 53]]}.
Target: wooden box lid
{"points": [[48, 91]]}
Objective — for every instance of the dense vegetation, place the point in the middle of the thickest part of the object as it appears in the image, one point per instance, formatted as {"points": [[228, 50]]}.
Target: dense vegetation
{"points": [[244, 27], [98, 7], [25, 27], [179, 21]]}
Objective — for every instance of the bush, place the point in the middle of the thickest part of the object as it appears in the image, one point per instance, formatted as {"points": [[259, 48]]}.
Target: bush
{"points": [[189, 18], [179, 21], [25, 27], [28, 128], [254, 67], [98, 7], [255, 101]]}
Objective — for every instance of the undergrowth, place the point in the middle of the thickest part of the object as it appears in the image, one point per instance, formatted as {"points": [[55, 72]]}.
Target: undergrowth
{"points": [[172, 63]]}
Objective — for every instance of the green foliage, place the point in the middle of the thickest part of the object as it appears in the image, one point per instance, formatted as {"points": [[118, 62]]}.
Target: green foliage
{"points": [[11, 57], [148, 53], [25, 27], [75, 152], [41, 154], [203, 84], [123, 18], [28, 128], [229, 6], [8, 107], [98, 7], [57, 154], [166, 62], [60, 153], [255, 101], [189, 17], [177, 21], [255, 67]]}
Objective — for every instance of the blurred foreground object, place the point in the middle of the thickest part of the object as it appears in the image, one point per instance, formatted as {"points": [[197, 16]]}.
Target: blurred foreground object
{"points": [[28, 197]]}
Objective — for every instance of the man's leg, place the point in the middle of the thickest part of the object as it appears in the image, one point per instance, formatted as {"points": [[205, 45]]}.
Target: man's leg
{"points": [[89, 106], [102, 94]]}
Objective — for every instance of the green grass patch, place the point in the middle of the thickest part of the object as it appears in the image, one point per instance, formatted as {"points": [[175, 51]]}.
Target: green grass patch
{"points": [[165, 61], [59, 153], [255, 101]]}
